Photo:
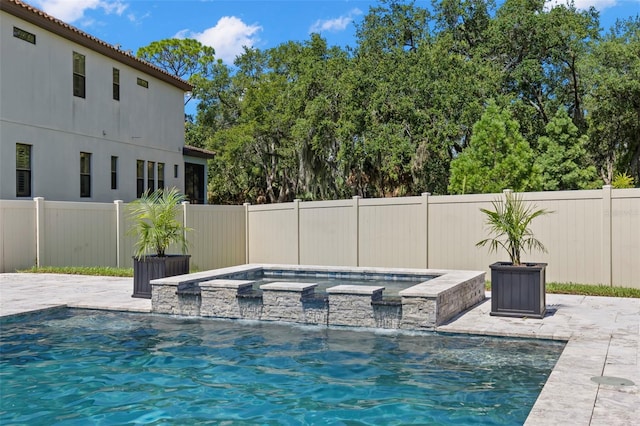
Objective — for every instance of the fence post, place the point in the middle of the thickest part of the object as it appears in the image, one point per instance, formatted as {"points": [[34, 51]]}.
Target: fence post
{"points": [[296, 209], [39, 230], [607, 278], [119, 231], [246, 232], [185, 205], [425, 206], [356, 212]]}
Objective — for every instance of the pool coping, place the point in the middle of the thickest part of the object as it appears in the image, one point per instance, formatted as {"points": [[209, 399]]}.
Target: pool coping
{"points": [[440, 279], [602, 334]]}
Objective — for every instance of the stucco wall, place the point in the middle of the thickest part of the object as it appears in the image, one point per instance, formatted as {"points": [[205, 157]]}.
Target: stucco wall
{"points": [[39, 109]]}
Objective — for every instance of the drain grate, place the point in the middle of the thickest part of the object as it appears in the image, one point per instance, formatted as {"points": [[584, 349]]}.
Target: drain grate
{"points": [[612, 381]]}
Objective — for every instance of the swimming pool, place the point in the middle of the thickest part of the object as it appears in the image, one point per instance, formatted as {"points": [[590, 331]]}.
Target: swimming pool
{"points": [[90, 367]]}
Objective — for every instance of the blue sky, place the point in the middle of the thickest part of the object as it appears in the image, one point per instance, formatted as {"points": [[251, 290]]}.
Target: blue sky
{"points": [[228, 25]]}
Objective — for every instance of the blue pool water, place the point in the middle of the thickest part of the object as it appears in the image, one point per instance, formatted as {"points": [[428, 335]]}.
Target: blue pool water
{"points": [[391, 288], [393, 283], [77, 367]]}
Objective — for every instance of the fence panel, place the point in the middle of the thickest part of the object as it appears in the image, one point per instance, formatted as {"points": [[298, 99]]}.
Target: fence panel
{"points": [[218, 236], [79, 234], [573, 235], [17, 235], [127, 239], [393, 233], [273, 233], [625, 235], [329, 233], [455, 226]]}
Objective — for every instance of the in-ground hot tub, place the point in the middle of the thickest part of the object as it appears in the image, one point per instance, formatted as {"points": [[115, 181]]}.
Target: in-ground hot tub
{"points": [[322, 295]]}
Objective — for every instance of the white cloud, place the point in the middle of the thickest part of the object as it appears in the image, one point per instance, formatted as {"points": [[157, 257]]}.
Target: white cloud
{"points": [[337, 24], [227, 37], [584, 4], [135, 19], [73, 10], [333, 25], [598, 4]]}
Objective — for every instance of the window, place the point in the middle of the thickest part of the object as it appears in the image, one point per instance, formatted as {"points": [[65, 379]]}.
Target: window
{"points": [[24, 35], [85, 174], [175, 171], [143, 83], [114, 172], [78, 75], [23, 170], [151, 176], [160, 175], [139, 178], [116, 84]]}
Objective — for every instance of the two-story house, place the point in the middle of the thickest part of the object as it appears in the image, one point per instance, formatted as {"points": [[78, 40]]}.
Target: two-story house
{"points": [[81, 120]]}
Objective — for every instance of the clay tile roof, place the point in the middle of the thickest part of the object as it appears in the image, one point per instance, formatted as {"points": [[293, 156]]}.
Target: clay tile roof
{"points": [[37, 17]]}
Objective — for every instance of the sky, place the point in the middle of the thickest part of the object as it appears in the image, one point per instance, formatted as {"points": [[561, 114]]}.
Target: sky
{"points": [[228, 25]]}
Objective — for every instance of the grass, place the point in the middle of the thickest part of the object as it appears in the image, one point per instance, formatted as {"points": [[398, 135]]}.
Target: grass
{"points": [[557, 288], [587, 290], [104, 271], [592, 290]]}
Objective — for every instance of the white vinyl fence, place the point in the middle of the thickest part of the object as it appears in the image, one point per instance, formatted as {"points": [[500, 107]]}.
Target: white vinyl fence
{"points": [[592, 237], [57, 233]]}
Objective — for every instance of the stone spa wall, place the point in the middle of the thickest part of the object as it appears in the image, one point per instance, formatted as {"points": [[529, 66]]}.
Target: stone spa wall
{"points": [[230, 293]]}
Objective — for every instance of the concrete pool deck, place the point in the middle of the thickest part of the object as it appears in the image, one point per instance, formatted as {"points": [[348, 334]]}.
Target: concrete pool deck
{"points": [[603, 335]]}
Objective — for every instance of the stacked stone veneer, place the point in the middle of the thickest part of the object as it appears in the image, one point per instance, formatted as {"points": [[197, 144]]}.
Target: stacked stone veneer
{"points": [[352, 305], [293, 302], [426, 306], [214, 294], [223, 299]]}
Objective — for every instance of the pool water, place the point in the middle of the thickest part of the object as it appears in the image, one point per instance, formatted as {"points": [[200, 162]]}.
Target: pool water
{"points": [[391, 288], [78, 367], [393, 283]]}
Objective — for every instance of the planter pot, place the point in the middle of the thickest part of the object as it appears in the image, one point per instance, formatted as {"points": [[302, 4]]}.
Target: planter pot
{"points": [[153, 267], [518, 291]]}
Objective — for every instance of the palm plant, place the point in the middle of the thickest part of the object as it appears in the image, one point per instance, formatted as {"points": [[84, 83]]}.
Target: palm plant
{"points": [[508, 227], [155, 222]]}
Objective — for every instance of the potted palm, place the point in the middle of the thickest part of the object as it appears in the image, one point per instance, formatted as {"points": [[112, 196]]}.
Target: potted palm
{"points": [[156, 225], [517, 288]]}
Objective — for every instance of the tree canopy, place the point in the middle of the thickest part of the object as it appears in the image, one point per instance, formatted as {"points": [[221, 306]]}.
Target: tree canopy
{"points": [[498, 157], [185, 58], [463, 96]]}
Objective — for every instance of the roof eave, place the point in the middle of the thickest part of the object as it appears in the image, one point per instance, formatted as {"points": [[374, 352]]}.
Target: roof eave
{"points": [[192, 151]]}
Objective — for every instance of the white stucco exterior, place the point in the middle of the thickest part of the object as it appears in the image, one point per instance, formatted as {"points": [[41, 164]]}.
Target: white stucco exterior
{"points": [[38, 108]]}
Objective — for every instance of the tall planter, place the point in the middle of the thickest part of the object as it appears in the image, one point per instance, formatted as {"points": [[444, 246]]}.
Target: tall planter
{"points": [[156, 225], [518, 291], [149, 268]]}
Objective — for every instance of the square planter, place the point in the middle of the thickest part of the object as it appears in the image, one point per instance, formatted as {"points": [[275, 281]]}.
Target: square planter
{"points": [[518, 291], [153, 267]]}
